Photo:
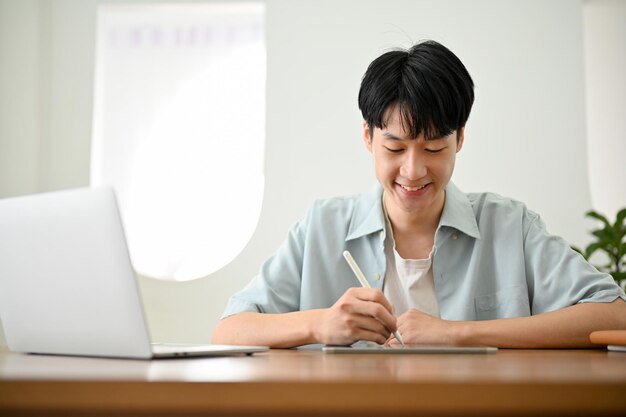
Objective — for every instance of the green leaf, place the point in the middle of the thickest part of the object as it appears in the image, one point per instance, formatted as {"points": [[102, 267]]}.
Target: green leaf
{"points": [[598, 216], [592, 248], [618, 276], [611, 239], [602, 234], [619, 219], [622, 250]]}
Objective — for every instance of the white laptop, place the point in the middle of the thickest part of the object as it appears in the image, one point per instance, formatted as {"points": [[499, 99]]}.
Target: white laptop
{"points": [[67, 286]]}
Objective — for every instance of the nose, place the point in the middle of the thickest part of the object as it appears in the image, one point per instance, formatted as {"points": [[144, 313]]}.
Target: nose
{"points": [[413, 166]]}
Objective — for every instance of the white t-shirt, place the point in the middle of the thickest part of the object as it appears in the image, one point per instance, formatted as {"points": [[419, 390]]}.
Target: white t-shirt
{"points": [[409, 282]]}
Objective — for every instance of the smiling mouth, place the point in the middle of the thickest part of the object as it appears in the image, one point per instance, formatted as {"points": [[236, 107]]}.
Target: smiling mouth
{"points": [[412, 189]]}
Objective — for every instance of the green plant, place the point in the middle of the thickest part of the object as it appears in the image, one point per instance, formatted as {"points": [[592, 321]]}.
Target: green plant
{"points": [[610, 239]]}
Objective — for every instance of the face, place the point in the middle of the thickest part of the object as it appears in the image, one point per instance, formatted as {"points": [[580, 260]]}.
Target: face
{"points": [[413, 171]]}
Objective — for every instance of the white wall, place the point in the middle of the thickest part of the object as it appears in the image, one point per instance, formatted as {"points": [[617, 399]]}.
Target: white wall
{"points": [[525, 138], [605, 76], [19, 97]]}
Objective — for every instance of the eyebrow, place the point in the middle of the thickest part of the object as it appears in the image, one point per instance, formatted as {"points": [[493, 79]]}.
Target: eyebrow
{"points": [[389, 135]]}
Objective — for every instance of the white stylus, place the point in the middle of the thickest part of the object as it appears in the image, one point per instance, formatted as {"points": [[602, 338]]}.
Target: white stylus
{"points": [[359, 275]]}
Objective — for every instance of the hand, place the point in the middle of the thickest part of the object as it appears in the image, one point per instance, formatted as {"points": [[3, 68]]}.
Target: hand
{"points": [[360, 314], [419, 328]]}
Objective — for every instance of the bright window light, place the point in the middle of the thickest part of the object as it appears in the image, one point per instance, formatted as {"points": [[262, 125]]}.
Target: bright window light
{"points": [[179, 130]]}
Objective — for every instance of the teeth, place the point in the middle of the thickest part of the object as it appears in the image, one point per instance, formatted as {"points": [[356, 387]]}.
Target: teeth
{"points": [[412, 188]]}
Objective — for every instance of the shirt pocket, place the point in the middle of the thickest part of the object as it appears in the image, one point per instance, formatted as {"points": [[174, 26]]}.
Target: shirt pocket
{"points": [[506, 303]]}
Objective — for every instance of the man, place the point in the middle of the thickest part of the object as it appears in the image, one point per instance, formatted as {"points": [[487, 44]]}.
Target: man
{"points": [[445, 267]]}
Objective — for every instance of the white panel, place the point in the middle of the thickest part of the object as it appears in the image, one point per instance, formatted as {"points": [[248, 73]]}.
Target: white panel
{"points": [[179, 130]]}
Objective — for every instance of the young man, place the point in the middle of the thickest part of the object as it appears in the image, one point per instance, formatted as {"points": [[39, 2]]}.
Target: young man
{"points": [[445, 267]]}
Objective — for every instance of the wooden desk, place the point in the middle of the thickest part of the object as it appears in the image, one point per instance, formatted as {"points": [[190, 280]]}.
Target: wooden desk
{"points": [[306, 383]]}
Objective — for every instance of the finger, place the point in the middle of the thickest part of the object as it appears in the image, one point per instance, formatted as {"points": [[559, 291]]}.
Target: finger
{"points": [[373, 337], [359, 322], [380, 313], [393, 342], [352, 307], [389, 340], [359, 327], [364, 334], [368, 302], [374, 295]]}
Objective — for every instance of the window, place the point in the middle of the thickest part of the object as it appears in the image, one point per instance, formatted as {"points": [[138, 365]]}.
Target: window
{"points": [[179, 130]]}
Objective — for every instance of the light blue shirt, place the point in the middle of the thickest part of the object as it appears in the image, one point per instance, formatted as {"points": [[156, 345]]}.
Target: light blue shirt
{"points": [[493, 258]]}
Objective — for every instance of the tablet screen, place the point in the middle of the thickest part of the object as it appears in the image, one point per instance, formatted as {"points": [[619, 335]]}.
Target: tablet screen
{"points": [[409, 349]]}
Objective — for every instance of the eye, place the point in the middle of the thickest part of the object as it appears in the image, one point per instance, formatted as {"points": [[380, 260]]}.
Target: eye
{"points": [[392, 150], [434, 150]]}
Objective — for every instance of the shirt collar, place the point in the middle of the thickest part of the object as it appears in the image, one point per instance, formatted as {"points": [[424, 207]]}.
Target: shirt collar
{"points": [[369, 217], [458, 212]]}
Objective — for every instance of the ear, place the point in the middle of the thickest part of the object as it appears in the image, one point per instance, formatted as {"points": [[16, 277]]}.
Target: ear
{"points": [[460, 138], [367, 137]]}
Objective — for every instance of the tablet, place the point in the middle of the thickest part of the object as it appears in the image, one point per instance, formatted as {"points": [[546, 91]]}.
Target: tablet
{"points": [[409, 349]]}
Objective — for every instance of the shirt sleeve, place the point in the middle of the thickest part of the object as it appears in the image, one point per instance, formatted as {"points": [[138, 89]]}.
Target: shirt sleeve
{"points": [[558, 276], [276, 288]]}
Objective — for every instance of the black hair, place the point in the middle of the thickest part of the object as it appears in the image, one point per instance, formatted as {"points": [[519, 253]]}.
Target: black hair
{"points": [[428, 82]]}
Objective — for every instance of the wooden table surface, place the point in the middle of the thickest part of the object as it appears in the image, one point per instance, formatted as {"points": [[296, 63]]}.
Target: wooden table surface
{"points": [[290, 382]]}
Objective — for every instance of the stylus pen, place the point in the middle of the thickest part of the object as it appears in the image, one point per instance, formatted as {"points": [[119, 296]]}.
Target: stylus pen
{"points": [[359, 275]]}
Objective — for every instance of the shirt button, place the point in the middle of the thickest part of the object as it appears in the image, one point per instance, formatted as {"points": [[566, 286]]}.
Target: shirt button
{"points": [[454, 236], [376, 277], [382, 235]]}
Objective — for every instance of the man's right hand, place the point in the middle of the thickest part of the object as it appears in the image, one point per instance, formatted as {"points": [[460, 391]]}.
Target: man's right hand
{"points": [[360, 314]]}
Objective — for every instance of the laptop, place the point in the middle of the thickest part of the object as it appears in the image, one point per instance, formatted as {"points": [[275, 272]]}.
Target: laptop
{"points": [[67, 286]]}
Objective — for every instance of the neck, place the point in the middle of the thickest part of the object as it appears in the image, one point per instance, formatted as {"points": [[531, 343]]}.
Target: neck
{"points": [[422, 223]]}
